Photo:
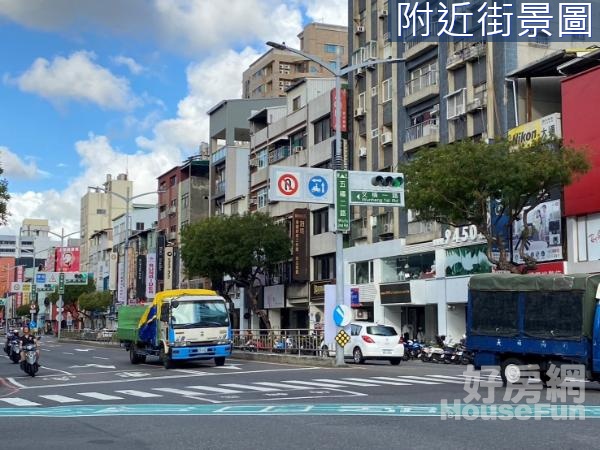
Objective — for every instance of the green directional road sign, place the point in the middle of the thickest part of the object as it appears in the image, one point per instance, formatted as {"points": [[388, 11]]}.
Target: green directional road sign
{"points": [[80, 278], [367, 197], [342, 201], [61, 283]]}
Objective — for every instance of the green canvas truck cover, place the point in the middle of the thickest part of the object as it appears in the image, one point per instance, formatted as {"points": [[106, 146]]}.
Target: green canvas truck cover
{"points": [[556, 306], [129, 317]]}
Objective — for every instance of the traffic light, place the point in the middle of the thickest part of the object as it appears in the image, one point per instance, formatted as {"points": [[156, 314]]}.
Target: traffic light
{"points": [[387, 181]]}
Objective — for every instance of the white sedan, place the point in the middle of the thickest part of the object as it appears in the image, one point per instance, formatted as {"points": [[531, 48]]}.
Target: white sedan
{"points": [[370, 340]]}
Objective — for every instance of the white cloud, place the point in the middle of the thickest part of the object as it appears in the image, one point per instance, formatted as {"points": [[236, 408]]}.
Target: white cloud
{"points": [[333, 12], [188, 26], [78, 78], [130, 63], [16, 168]]}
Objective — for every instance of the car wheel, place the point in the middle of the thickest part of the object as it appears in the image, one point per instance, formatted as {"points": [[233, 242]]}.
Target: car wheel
{"points": [[510, 371], [395, 361], [357, 356], [133, 357], [220, 361]]}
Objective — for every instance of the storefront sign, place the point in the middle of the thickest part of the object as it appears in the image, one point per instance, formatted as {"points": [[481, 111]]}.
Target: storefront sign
{"points": [[317, 290], [545, 233], [394, 293], [112, 272], [355, 298], [168, 274], [140, 277], [545, 128], [467, 260], [548, 268], [150, 275], [300, 245]]}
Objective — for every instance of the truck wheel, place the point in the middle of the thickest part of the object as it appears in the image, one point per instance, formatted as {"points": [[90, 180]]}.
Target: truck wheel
{"points": [[166, 359], [510, 371], [220, 361], [133, 357]]}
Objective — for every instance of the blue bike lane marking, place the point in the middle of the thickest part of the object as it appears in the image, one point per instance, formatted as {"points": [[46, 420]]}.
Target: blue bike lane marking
{"points": [[427, 410]]}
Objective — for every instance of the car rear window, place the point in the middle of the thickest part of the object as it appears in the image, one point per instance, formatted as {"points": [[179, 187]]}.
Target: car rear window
{"points": [[381, 330]]}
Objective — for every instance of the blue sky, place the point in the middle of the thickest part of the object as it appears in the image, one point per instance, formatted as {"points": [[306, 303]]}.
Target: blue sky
{"points": [[89, 88]]}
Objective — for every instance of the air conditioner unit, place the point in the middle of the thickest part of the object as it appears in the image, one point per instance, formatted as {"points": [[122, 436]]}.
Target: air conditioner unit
{"points": [[297, 149], [387, 228], [361, 314], [360, 71], [386, 138], [475, 104], [435, 109], [383, 13], [254, 162], [362, 152], [360, 29], [359, 112], [284, 66]]}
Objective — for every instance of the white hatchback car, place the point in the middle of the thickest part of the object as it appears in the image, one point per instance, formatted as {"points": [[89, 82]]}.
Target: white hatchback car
{"points": [[370, 340]]}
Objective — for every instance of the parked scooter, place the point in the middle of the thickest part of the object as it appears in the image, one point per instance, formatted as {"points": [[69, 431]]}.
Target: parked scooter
{"points": [[434, 353], [412, 350], [30, 366]]}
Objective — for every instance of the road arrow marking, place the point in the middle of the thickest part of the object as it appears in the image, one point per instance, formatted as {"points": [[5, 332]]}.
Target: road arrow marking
{"points": [[83, 349]]}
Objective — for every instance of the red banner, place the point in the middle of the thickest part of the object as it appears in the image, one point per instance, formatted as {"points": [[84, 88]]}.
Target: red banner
{"points": [[333, 113], [548, 268], [67, 259]]}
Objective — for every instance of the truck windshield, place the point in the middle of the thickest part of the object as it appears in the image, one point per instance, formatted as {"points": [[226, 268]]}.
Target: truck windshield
{"points": [[200, 314]]}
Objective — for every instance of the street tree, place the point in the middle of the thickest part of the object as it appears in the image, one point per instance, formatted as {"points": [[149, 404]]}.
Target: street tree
{"points": [[455, 184], [245, 248], [4, 198], [93, 303], [72, 294]]}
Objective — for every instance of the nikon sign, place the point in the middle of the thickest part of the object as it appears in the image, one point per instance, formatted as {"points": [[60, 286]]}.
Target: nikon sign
{"points": [[547, 127]]}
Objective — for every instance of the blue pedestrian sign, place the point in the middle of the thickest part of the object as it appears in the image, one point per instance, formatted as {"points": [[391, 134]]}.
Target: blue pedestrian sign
{"points": [[317, 186], [342, 315], [40, 278], [32, 324]]}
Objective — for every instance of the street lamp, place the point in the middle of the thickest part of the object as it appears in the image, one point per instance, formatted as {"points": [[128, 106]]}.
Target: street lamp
{"points": [[338, 73], [127, 199]]}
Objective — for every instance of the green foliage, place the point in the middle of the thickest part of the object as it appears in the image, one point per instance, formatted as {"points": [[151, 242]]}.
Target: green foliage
{"points": [[95, 301], [23, 311], [73, 292], [4, 198], [239, 246], [454, 183]]}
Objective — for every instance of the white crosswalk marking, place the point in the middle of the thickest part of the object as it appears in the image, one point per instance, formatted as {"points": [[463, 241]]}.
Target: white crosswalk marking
{"points": [[281, 385], [390, 380], [437, 380], [418, 380], [315, 384], [448, 377], [99, 396], [351, 382], [60, 398], [215, 389], [16, 401], [251, 388], [178, 391], [142, 394]]}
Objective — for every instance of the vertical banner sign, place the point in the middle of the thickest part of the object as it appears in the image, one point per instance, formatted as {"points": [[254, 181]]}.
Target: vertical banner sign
{"points": [[301, 245], [112, 272], [333, 112], [121, 292], [150, 275], [140, 277], [176, 266], [342, 201], [168, 271], [160, 257], [19, 298]]}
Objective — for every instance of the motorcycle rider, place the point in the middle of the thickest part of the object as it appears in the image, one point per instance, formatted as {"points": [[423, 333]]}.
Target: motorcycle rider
{"points": [[27, 339]]}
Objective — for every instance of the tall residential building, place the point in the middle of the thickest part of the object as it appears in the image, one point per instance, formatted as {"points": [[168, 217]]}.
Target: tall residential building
{"points": [[98, 209], [443, 92], [276, 70]]}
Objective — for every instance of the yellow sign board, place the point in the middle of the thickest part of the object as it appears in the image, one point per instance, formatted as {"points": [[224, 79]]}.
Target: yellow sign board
{"points": [[545, 128]]}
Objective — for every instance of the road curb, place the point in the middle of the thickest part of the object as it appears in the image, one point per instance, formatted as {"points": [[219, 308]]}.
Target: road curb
{"points": [[286, 359], [91, 343]]}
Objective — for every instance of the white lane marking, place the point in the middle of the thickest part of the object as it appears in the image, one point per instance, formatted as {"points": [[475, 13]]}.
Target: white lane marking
{"points": [[135, 393], [443, 380], [315, 384], [183, 392], [16, 383], [192, 371], [83, 349], [56, 370], [99, 396], [351, 382], [100, 357], [229, 366], [250, 388], [388, 380], [452, 378], [16, 401], [215, 389], [281, 385], [46, 350], [99, 366], [421, 380], [60, 398], [68, 353]]}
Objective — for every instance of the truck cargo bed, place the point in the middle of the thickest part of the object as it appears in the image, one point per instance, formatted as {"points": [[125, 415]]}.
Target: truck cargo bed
{"points": [[129, 318]]}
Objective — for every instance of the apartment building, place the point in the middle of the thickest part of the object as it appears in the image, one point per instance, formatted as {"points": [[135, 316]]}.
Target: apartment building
{"points": [[276, 70], [442, 92], [98, 209]]}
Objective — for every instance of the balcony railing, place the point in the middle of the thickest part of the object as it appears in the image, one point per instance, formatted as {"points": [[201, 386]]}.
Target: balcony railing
{"points": [[220, 187], [426, 128], [428, 79], [279, 153]]}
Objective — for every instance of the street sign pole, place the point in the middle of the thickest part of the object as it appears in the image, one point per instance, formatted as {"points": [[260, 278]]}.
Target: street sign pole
{"points": [[59, 305]]}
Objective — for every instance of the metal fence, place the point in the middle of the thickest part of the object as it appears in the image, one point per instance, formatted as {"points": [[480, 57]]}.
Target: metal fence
{"points": [[300, 342], [90, 335]]}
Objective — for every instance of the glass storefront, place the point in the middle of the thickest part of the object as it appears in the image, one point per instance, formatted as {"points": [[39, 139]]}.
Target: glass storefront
{"points": [[408, 267]]}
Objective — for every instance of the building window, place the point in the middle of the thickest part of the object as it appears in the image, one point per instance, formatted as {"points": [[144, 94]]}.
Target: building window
{"points": [[322, 130], [333, 48], [139, 226], [373, 91], [324, 267], [173, 180], [362, 100], [100, 211], [262, 197], [298, 139], [408, 267], [185, 200], [361, 272], [374, 133], [455, 103], [321, 221], [296, 103], [262, 158], [422, 77], [386, 87], [234, 208]]}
